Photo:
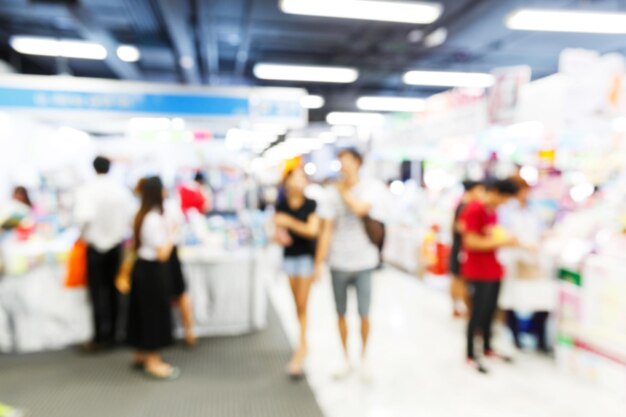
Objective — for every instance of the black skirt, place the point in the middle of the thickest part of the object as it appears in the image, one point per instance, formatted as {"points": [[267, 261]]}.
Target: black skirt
{"points": [[178, 286], [150, 325]]}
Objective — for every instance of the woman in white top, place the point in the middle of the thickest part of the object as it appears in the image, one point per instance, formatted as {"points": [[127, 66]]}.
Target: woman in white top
{"points": [[149, 318]]}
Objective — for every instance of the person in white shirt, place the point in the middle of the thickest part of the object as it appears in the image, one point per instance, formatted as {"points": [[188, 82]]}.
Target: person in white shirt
{"points": [[352, 256], [149, 326], [103, 211]]}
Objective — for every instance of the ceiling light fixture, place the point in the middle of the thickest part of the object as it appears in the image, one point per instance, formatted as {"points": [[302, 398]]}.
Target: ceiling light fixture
{"points": [[355, 119], [312, 102], [128, 53], [384, 11], [391, 104], [567, 21], [285, 72], [67, 48], [448, 79]]}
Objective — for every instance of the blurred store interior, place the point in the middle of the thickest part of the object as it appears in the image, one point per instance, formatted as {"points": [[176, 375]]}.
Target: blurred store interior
{"points": [[282, 132]]}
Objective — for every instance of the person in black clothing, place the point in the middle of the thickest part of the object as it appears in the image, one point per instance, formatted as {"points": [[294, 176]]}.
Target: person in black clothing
{"points": [[458, 288], [149, 326], [297, 228]]}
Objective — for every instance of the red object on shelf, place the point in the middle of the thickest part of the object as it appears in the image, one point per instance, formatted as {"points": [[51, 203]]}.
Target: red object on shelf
{"points": [[440, 266]]}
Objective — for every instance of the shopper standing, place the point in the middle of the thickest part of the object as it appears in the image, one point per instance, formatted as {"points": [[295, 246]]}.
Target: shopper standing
{"points": [[473, 191], [103, 211], [175, 219], [526, 289], [296, 213], [149, 314], [344, 240], [181, 300], [480, 266], [193, 195]]}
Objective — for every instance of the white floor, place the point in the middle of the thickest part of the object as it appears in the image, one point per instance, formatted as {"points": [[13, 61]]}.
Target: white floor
{"points": [[416, 359]]}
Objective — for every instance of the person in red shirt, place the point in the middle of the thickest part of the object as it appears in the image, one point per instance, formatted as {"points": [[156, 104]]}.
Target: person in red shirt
{"points": [[192, 195], [480, 266]]}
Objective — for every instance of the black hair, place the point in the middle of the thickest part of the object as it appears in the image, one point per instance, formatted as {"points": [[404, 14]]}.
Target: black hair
{"points": [[469, 185], [199, 177], [506, 187], [102, 165], [352, 152]]}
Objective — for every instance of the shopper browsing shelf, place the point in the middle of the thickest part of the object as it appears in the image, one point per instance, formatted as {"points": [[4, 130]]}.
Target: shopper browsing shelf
{"points": [[480, 267], [17, 210], [103, 211], [149, 314], [473, 191], [295, 215], [193, 195], [175, 220], [527, 289], [344, 241]]}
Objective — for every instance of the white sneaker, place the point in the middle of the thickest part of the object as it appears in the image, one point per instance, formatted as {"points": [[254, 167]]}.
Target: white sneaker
{"points": [[343, 372]]}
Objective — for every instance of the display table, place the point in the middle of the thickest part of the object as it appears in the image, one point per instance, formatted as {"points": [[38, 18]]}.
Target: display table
{"points": [[227, 291]]}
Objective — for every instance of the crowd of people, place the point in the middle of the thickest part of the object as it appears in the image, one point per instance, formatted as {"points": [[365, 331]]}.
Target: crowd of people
{"points": [[334, 232]]}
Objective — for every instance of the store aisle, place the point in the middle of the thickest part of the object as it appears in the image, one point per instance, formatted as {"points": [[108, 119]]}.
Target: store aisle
{"points": [[416, 359], [225, 377]]}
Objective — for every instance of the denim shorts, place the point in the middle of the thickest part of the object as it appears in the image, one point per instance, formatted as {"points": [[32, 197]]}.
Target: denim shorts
{"points": [[298, 266], [361, 281]]}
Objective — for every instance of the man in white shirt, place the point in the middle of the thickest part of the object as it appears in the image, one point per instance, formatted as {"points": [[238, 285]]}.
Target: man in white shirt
{"points": [[104, 211], [344, 241]]}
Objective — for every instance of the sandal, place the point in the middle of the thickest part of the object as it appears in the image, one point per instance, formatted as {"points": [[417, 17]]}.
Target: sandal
{"points": [[172, 375]]}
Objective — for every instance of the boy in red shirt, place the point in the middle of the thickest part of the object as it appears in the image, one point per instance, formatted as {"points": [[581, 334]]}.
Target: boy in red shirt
{"points": [[480, 266]]}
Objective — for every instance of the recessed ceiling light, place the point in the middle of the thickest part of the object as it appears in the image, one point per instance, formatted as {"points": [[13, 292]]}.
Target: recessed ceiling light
{"points": [[128, 53], [392, 104], [355, 119], [448, 79], [385, 11], [306, 73], [67, 48], [567, 21], [312, 102]]}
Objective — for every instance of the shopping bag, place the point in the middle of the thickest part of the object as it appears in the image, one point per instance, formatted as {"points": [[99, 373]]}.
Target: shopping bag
{"points": [[123, 279], [77, 266]]}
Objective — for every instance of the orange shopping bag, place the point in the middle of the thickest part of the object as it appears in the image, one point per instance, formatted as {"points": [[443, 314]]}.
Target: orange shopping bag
{"points": [[77, 266]]}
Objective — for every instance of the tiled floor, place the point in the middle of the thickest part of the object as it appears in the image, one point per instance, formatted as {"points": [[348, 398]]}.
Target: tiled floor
{"points": [[416, 358]]}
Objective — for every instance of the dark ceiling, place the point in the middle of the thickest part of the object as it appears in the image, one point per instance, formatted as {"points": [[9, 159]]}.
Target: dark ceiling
{"points": [[223, 39]]}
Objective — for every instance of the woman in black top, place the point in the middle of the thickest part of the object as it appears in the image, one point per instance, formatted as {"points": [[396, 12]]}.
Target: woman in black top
{"points": [[297, 228]]}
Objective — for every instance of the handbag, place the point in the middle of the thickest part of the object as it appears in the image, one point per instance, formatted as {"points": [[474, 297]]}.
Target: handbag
{"points": [[76, 276], [123, 280], [375, 231]]}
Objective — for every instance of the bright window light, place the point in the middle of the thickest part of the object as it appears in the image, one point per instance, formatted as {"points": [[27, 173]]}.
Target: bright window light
{"points": [[448, 79], [355, 119], [316, 74], [581, 192], [530, 174], [312, 102], [58, 47], [128, 53], [397, 187], [567, 21], [385, 11], [310, 168], [394, 104]]}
